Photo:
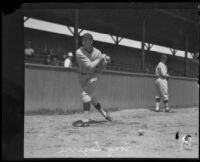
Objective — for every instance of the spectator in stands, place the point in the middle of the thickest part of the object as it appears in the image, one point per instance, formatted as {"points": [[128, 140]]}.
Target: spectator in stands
{"points": [[63, 58], [52, 53], [147, 70], [68, 61], [55, 61], [48, 59], [46, 50], [28, 50]]}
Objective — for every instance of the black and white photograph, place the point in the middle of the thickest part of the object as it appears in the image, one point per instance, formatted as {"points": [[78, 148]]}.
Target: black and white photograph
{"points": [[111, 80]]}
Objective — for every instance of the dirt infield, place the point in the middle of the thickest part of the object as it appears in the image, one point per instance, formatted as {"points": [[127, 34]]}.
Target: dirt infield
{"points": [[54, 136]]}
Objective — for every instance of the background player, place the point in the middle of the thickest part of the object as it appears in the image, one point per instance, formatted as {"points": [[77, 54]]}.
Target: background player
{"points": [[162, 84], [91, 62]]}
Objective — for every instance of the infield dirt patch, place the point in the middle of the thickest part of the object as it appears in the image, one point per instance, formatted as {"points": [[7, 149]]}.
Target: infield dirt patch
{"points": [[54, 136]]}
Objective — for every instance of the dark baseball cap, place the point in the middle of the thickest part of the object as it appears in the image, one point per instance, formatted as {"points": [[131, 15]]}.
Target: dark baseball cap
{"points": [[163, 57], [88, 36]]}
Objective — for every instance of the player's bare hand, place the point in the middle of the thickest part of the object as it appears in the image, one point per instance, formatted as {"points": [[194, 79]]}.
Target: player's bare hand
{"points": [[108, 59], [103, 56]]}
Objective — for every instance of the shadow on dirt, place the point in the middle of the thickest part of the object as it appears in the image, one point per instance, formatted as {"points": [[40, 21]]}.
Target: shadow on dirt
{"points": [[97, 121], [161, 110]]}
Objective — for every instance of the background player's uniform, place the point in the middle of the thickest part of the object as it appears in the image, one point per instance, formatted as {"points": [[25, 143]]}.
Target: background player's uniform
{"points": [[161, 82], [88, 77]]}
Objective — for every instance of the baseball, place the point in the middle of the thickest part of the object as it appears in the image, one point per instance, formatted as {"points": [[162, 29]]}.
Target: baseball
{"points": [[106, 60], [140, 132]]}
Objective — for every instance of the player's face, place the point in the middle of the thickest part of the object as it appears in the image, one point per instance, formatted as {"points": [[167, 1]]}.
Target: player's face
{"points": [[164, 60], [86, 43]]}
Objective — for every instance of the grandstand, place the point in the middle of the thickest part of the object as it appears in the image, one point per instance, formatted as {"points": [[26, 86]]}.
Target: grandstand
{"points": [[123, 58]]}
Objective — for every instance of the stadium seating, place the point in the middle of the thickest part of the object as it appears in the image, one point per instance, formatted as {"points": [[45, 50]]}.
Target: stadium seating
{"points": [[123, 58]]}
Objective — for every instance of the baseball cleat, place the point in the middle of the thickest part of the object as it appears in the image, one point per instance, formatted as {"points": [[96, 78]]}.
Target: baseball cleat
{"points": [[107, 117], [157, 110], [168, 110]]}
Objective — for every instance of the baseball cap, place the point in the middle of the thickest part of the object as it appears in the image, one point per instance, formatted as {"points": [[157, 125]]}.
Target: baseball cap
{"points": [[88, 36], [70, 54], [163, 57]]}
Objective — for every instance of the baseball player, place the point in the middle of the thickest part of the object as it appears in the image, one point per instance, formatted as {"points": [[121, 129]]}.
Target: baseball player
{"points": [[91, 63], [162, 83]]}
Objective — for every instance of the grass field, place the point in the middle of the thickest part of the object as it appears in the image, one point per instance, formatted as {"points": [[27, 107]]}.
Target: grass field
{"points": [[54, 136]]}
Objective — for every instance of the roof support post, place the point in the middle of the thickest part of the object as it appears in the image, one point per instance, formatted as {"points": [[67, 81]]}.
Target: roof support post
{"points": [[80, 32], [143, 45], [70, 30], [26, 19], [75, 33], [113, 39], [119, 40], [173, 50], [148, 46], [186, 56], [76, 24], [198, 37]]}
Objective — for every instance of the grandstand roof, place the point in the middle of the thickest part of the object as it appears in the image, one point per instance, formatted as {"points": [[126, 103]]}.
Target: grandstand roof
{"points": [[166, 24]]}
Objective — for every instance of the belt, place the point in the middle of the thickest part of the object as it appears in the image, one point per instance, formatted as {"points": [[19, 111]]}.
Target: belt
{"points": [[85, 73], [161, 77]]}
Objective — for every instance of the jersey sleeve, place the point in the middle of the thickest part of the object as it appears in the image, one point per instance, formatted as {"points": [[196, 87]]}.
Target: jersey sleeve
{"points": [[99, 53], [82, 59]]}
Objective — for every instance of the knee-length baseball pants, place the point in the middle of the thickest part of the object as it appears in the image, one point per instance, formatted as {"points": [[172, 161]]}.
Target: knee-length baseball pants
{"points": [[162, 89], [88, 84]]}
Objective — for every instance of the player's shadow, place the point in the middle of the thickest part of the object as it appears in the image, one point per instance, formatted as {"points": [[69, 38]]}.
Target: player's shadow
{"points": [[161, 110], [97, 121], [153, 109]]}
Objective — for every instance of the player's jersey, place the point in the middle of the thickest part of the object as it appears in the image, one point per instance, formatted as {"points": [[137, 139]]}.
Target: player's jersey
{"points": [[84, 58], [161, 69]]}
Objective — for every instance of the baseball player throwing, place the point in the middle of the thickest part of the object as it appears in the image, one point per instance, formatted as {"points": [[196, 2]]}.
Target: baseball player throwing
{"points": [[91, 63], [162, 83]]}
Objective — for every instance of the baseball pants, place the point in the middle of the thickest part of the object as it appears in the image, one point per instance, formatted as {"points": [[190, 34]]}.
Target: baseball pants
{"points": [[162, 89], [88, 84]]}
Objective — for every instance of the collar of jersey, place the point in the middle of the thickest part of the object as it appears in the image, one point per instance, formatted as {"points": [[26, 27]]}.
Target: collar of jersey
{"points": [[87, 51]]}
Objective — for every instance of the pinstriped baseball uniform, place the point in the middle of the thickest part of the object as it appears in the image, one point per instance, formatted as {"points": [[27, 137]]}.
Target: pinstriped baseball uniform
{"points": [[161, 82], [88, 77]]}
